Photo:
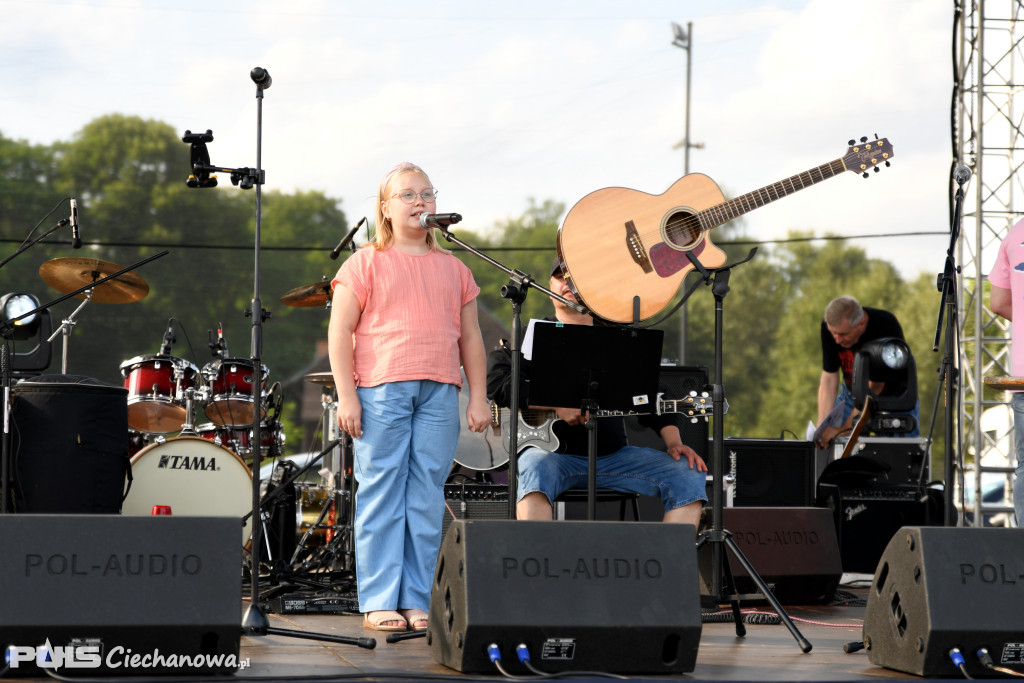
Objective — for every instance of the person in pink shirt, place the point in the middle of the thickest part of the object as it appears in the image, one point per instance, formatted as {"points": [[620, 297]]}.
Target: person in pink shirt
{"points": [[1005, 299], [403, 321]]}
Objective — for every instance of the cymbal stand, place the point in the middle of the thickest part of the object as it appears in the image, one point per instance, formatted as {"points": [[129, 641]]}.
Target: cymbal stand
{"points": [[719, 537], [65, 328]]}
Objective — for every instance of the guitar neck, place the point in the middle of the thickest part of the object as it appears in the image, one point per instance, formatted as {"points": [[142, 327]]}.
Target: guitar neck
{"points": [[726, 211]]}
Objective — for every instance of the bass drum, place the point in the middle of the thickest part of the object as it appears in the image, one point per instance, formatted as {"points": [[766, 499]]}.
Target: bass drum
{"points": [[195, 477]]}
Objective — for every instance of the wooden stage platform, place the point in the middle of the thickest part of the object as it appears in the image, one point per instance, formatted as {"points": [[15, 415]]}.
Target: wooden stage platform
{"points": [[766, 653]]}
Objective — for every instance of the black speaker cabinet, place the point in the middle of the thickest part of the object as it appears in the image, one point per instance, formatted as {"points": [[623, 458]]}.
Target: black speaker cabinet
{"points": [[771, 472], [104, 586], [793, 549], [581, 596], [70, 445], [941, 588], [677, 382], [867, 517]]}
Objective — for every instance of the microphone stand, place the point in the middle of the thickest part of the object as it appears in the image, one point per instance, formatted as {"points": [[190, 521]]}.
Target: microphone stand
{"points": [[515, 291], [254, 621], [719, 537], [947, 320]]}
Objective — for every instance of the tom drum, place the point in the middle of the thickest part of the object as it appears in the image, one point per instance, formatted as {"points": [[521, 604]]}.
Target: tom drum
{"points": [[231, 386], [156, 386]]}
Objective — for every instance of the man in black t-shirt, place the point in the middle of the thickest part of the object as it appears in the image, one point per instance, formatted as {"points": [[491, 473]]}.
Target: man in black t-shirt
{"points": [[847, 326]]}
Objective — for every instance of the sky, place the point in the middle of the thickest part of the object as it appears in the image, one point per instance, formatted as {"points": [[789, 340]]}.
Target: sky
{"points": [[508, 103]]}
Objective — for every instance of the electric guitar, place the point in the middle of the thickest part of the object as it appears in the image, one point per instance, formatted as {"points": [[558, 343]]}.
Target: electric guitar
{"points": [[535, 425], [618, 243]]}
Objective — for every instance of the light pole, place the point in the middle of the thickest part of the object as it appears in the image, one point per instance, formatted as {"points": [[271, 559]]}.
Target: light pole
{"points": [[684, 39]]}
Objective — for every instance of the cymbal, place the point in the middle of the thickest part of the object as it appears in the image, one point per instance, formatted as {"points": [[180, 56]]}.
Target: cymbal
{"points": [[307, 296], [71, 273], [1004, 383], [323, 378]]}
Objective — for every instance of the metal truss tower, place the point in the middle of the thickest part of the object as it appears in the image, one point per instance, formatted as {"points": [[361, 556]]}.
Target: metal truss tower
{"points": [[988, 137]]}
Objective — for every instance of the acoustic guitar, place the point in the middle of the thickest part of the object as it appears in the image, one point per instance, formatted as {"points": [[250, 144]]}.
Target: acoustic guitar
{"points": [[617, 243]]}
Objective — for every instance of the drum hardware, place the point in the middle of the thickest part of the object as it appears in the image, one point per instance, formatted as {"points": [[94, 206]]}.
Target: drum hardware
{"points": [[287, 483]]}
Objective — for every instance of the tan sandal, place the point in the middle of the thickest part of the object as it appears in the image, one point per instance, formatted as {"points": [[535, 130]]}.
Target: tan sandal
{"points": [[385, 620], [416, 619]]}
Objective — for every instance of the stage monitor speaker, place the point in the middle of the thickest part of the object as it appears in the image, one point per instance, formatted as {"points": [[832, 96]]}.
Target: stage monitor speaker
{"points": [[473, 501], [112, 588], [771, 472], [939, 588], [676, 382], [794, 550], [581, 596], [866, 518]]}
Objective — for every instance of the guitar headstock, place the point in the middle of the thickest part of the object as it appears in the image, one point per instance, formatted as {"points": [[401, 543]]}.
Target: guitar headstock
{"points": [[867, 154]]}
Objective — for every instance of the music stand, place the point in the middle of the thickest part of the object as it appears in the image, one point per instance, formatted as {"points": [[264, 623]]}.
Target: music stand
{"points": [[570, 368]]}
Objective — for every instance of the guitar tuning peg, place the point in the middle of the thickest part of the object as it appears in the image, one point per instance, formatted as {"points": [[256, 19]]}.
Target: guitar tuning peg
{"points": [[876, 136], [864, 139], [888, 164], [877, 169], [693, 420], [866, 174], [852, 142]]}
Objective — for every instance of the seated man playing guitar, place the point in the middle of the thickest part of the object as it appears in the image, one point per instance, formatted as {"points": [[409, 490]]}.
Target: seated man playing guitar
{"points": [[678, 476]]}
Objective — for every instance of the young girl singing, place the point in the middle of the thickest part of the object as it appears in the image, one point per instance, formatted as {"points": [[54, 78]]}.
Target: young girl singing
{"points": [[403, 316]]}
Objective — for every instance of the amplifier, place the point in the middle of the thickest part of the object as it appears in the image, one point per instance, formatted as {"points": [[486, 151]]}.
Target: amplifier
{"points": [[867, 517], [903, 458], [474, 501], [770, 472]]}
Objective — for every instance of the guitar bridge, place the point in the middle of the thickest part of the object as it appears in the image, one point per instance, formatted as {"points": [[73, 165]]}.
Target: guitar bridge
{"points": [[636, 248]]}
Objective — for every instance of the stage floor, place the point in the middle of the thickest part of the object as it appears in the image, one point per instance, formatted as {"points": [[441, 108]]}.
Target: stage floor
{"points": [[766, 653]]}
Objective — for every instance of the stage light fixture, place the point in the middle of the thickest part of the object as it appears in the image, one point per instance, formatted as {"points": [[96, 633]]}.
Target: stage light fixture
{"points": [[887, 360], [31, 327]]}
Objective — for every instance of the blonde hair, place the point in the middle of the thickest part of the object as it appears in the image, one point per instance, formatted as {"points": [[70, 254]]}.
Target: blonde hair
{"points": [[385, 233]]}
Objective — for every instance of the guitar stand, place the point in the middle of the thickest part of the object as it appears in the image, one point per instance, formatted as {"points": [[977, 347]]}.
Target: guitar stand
{"points": [[720, 538]]}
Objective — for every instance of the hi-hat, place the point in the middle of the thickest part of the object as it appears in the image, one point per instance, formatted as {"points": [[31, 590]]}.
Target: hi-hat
{"points": [[323, 378], [69, 274], [307, 296]]}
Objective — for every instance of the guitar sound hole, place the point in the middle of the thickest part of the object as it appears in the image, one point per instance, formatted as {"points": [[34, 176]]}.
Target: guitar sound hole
{"points": [[533, 418], [682, 230]]}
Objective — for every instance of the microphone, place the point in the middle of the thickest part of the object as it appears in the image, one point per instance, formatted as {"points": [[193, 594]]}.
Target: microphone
{"points": [[438, 220], [346, 240], [169, 338], [962, 175], [260, 77], [221, 345], [76, 239]]}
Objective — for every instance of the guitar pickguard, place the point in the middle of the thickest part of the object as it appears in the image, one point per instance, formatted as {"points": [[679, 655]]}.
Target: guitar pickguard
{"points": [[668, 261]]}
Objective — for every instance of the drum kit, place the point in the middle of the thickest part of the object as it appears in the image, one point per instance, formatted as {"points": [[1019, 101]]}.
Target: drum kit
{"points": [[206, 469]]}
